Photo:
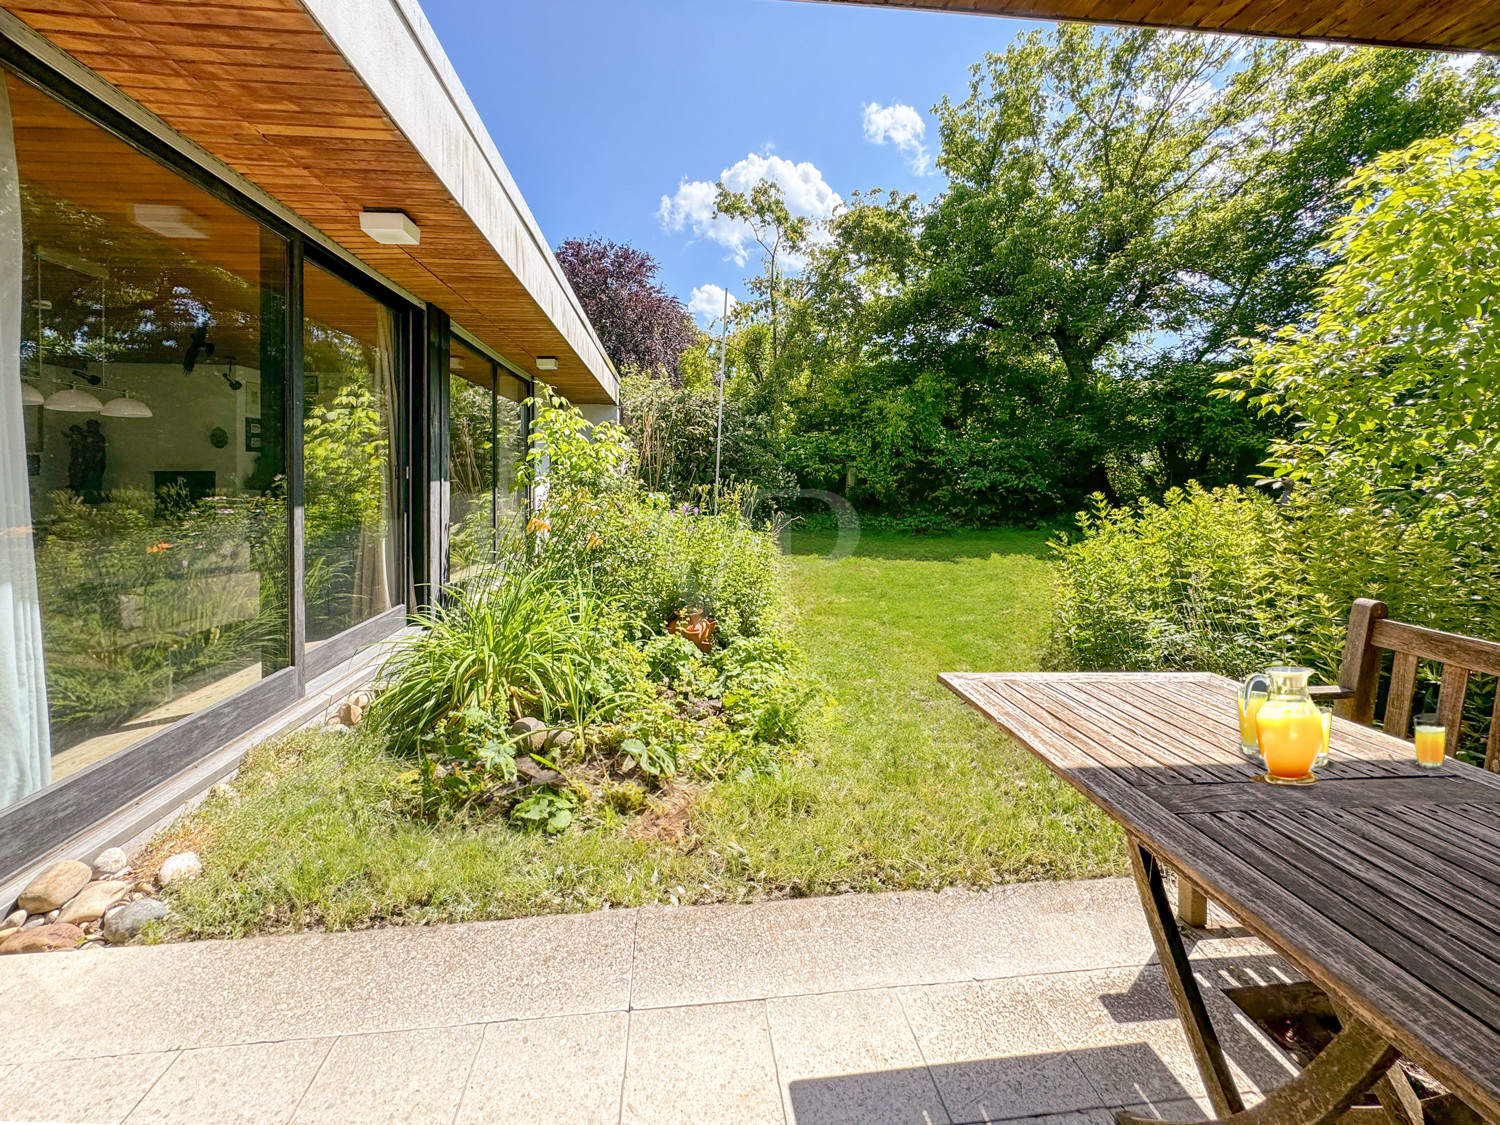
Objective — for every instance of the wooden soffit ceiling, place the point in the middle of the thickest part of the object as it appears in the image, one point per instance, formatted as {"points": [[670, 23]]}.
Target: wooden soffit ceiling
{"points": [[1455, 25], [264, 88]]}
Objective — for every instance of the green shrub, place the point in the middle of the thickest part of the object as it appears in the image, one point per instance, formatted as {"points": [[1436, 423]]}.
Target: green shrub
{"points": [[652, 560], [523, 647]]}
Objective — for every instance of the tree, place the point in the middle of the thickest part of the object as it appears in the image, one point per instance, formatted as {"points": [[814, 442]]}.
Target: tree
{"points": [[642, 326], [780, 235], [1394, 377], [1123, 208]]}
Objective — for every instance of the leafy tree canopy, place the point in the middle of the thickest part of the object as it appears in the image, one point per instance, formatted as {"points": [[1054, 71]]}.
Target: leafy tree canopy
{"points": [[642, 326]]}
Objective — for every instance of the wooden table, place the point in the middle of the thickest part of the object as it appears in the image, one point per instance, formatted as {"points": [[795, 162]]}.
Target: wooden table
{"points": [[1381, 883]]}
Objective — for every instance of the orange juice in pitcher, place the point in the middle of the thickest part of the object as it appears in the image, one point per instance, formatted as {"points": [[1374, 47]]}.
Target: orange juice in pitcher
{"points": [[1289, 728]]}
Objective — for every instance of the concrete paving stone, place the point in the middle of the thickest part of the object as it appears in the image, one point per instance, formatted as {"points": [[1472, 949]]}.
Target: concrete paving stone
{"points": [[256, 1084], [400, 1078], [707, 1063], [95, 1090], [1124, 1031], [567, 1068], [805, 946], [851, 1059], [217, 993], [992, 1052]]}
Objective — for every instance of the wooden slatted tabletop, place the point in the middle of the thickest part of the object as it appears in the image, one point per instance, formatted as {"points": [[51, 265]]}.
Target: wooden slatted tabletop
{"points": [[1381, 882]]}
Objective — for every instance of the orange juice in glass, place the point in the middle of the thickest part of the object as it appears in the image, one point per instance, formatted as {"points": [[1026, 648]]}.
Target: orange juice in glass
{"points": [[1432, 743], [1289, 728], [1252, 695]]}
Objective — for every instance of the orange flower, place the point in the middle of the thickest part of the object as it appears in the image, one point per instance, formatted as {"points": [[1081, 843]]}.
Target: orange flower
{"points": [[536, 523], [594, 540], [158, 548]]}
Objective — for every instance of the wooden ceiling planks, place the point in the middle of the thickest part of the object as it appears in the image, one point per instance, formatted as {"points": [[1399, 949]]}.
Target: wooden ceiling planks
{"points": [[1455, 25], [258, 84]]}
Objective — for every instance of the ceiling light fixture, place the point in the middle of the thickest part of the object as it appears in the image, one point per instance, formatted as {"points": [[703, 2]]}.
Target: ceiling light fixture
{"points": [[125, 407], [393, 228], [30, 396], [546, 363], [170, 220], [73, 401]]}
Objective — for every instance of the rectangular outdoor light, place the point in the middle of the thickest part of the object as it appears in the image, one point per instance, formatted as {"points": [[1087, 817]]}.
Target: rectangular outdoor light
{"points": [[546, 363], [394, 228]]}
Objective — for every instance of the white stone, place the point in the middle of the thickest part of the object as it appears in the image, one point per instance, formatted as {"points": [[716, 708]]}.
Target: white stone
{"points": [[17, 918], [179, 868], [111, 861]]}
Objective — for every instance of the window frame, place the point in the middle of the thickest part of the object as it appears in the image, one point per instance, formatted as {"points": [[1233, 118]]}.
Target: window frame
{"points": [[49, 818]]}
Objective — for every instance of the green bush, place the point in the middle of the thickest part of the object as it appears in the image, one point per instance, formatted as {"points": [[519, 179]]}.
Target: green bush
{"points": [[651, 560]]}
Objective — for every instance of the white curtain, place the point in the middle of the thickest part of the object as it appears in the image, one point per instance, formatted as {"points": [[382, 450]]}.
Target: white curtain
{"points": [[25, 747], [374, 566]]}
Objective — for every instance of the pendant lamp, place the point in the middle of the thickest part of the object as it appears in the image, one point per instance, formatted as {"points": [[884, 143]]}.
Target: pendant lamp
{"points": [[125, 407], [30, 396], [74, 401]]}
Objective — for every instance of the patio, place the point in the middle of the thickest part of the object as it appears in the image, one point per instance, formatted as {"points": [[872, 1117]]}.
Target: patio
{"points": [[1028, 1001]]}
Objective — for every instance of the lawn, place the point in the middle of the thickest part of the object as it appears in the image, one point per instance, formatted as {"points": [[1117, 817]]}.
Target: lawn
{"points": [[898, 786]]}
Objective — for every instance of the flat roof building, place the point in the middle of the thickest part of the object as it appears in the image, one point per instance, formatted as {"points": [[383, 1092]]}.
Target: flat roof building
{"points": [[270, 306]]}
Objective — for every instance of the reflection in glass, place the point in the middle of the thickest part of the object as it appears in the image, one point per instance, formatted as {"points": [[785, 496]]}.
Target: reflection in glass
{"points": [[145, 327], [350, 352], [485, 440]]}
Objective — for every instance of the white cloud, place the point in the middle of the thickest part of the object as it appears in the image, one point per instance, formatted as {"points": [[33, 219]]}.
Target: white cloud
{"points": [[692, 207], [707, 303], [902, 126]]}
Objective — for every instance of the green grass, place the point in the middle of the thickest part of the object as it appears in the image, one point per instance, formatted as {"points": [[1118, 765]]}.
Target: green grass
{"points": [[900, 785]]}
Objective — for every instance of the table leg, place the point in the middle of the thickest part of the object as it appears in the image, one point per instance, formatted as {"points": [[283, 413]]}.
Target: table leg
{"points": [[1192, 904], [1202, 1038], [1320, 1095]]}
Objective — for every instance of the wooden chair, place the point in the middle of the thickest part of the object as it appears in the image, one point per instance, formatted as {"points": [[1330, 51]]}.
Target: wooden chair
{"points": [[1372, 634]]}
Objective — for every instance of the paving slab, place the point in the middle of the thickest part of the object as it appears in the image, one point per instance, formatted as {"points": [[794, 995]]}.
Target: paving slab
{"points": [[567, 1068], [703, 1063], [393, 1078], [1124, 1031], [218, 993], [813, 945], [258, 1084], [95, 1090], [850, 1058], [992, 1053]]}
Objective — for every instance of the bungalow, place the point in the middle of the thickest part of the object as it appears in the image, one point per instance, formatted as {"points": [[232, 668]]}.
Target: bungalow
{"points": [[270, 304]]}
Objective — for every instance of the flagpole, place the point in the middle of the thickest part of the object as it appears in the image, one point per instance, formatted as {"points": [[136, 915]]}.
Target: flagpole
{"points": [[719, 436]]}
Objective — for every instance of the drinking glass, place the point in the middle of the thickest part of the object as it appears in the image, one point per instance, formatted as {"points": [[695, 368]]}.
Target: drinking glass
{"points": [[1325, 712], [1432, 742]]}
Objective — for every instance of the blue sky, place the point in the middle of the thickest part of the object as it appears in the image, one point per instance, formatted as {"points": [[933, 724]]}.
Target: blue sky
{"points": [[602, 107]]}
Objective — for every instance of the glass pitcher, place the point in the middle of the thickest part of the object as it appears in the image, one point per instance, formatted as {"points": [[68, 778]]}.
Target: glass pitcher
{"points": [[1288, 728], [1253, 693]]}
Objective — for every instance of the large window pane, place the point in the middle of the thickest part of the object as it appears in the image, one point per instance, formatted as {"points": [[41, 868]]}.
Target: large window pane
{"points": [[142, 379], [485, 441], [350, 356]]}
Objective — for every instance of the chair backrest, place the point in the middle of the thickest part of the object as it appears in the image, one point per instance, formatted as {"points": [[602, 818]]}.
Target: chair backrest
{"points": [[1372, 633]]}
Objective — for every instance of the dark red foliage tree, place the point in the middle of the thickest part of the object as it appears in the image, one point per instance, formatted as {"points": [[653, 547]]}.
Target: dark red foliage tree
{"points": [[641, 325]]}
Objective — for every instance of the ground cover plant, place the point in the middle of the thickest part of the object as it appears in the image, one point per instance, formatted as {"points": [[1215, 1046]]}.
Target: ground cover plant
{"points": [[894, 784]]}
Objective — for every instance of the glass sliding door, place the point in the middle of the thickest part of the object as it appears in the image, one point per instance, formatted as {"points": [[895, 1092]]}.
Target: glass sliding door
{"points": [[143, 557], [486, 440], [354, 544]]}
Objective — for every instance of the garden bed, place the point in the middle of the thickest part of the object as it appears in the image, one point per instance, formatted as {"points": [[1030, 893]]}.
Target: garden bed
{"points": [[893, 784]]}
